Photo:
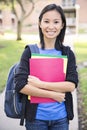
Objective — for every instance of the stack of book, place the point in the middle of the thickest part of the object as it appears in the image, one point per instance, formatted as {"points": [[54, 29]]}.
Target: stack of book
{"points": [[47, 68]]}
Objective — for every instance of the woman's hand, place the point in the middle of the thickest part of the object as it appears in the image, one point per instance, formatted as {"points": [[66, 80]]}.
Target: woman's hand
{"points": [[34, 81], [60, 97]]}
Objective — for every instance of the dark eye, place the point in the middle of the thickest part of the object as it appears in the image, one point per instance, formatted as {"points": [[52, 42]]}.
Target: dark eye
{"points": [[56, 22], [46, 21]]}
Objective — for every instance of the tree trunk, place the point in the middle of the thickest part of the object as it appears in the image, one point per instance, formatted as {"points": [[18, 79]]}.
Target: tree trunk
{"points": [[19, 29]]}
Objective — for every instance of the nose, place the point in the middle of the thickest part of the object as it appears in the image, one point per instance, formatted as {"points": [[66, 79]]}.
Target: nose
{"points": [[51, 26]]}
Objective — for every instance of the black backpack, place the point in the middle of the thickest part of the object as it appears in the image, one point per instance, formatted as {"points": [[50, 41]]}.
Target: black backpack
{"points": [[14, 103]]}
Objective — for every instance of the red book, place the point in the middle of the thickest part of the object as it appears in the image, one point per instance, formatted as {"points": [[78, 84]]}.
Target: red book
{"points": [[47, 69]]}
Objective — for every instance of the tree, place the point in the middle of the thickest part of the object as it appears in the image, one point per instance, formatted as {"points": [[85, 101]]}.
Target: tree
{"points": [[23, 14], [4, 1]]}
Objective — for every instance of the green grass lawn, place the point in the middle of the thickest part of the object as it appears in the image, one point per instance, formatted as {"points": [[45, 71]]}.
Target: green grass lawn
{"points": [[81, 51], [81, 55], [83, 86], [10, 53]]}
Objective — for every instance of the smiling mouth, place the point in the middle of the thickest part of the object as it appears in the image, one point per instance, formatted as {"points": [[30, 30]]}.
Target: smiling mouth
{"points": [[51, 32]]}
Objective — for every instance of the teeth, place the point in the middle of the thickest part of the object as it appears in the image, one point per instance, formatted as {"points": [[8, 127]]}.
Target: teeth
{"points": [[51, 33]]}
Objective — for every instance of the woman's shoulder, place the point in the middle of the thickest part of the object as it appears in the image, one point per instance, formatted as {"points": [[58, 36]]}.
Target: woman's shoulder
{"points": [[26, 53], [68, 51], [30, 48]]}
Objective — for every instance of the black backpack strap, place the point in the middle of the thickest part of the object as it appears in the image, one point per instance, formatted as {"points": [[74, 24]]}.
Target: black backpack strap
{"points": [[33, 47], [23, 110]]}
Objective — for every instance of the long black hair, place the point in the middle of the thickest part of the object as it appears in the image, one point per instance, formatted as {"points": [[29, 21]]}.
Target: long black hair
{"points": [[60, 37]]}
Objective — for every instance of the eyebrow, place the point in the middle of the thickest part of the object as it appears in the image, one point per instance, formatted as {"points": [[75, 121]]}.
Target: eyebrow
{"points": [[53, 19]]}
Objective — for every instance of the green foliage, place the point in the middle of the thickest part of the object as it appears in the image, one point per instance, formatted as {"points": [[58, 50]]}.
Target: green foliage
{"points": [[81, 51], [10, 52], [81, 54], [4, 4], [83, 30], [83, 86]]}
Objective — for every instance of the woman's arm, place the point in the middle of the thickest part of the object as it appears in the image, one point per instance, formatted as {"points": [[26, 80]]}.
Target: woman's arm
{"points": [[34, 91], [21, 81], [65, 86]]}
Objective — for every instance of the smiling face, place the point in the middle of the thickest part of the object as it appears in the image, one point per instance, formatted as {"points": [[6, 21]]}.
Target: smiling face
{"points": [[51, 24]]}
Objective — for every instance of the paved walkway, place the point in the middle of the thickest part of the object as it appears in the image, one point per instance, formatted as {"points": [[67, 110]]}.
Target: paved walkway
{"points": [[5, 122], [9, 124]]}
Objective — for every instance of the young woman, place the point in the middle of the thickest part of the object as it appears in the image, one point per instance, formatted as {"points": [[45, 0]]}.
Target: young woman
{"points": [[53, 115]]}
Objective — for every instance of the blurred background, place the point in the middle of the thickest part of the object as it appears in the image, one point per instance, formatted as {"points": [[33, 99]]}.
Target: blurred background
{"points": [[19, 26]]}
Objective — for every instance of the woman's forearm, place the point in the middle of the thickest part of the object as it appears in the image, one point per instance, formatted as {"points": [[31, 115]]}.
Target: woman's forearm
{"points": [[58, 86], [34, 91], [64, 86]]}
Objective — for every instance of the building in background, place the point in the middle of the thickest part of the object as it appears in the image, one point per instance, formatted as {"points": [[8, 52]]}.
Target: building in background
{"points": [[71, 10], [74, 10]]}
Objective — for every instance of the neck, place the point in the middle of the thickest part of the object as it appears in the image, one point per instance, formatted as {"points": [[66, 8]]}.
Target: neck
{"points": [[49, 43]]}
